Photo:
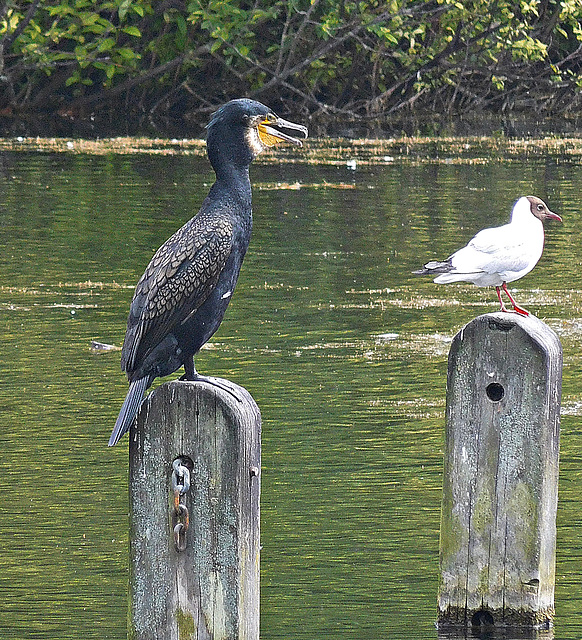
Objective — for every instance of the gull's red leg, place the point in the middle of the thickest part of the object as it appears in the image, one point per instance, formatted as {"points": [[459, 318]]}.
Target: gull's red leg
{"points": [[503, 307], [518, 309]]}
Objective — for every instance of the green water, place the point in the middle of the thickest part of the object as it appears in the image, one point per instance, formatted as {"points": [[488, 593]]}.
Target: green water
{"points": [[342, 348]]}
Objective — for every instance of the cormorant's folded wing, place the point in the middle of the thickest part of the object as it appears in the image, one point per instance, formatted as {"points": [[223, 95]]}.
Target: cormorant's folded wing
{"points": [[179, 278]]}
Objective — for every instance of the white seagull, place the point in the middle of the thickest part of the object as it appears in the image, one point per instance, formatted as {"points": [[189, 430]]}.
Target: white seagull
{"points": [[499, 255]]}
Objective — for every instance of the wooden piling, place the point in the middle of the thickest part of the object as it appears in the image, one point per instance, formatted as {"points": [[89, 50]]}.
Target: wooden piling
{"points": [[500, 487], [194, 551]]}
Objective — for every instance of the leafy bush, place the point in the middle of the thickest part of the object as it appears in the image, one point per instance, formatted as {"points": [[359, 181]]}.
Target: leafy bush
{"points": [[353, 62]]}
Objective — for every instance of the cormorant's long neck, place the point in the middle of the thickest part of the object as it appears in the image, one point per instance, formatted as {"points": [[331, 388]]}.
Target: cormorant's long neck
{"points": [[234, 181], [231, 166], [232, 173], [230, 158]]}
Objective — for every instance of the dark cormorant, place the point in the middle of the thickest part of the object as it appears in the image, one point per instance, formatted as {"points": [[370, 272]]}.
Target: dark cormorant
{"points": [[181, 298]]}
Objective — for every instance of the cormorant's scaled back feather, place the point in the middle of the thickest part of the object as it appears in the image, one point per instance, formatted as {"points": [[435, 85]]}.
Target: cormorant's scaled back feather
{"points": [[177, 281]]}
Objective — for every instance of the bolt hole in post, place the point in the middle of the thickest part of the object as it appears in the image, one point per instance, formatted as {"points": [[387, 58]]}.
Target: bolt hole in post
{"points": [[495, 392]]}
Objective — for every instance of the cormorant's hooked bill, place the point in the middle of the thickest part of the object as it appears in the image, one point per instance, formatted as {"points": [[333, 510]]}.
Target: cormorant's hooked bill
{"points": [[270, 136], [181, 298]]}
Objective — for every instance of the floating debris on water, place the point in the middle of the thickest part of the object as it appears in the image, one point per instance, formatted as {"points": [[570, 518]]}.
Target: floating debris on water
{"points": [[13, 307], [296, 186], [69, 305], [417, 408], [385, 337], [337, 151], [102, 347], [571, 408]]}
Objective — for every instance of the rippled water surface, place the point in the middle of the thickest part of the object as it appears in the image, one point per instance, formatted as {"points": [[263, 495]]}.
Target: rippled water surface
{"points": [[342, 348]]}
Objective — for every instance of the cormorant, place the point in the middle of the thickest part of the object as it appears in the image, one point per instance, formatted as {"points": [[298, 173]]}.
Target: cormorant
{"points": [[180, 300]]}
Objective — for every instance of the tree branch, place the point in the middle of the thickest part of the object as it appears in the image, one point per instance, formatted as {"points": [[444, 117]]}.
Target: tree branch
{"points": [[130, 83], [8, 38]]}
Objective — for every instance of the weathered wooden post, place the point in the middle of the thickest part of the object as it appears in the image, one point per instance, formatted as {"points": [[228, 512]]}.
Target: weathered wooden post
{"points": [[194, 514], [500, 488]]}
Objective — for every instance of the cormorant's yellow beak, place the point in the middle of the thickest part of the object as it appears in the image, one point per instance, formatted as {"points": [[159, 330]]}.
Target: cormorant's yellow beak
{"points": [[270, 136]]}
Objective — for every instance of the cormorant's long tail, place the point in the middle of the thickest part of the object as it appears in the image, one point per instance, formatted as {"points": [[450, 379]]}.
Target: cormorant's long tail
{"points": [[129, 408]]}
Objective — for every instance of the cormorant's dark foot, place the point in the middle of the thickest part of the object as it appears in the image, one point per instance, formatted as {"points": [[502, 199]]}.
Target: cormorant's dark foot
{"points": [[214, 382]]}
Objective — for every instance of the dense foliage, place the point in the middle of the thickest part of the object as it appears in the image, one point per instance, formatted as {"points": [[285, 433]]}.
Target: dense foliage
{"points": [[358, 63]]}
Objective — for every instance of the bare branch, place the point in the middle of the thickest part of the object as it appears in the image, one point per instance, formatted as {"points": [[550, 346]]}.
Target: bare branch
{"points": [[130, 83]]}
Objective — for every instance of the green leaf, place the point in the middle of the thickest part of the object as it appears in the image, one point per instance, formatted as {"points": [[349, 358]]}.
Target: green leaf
{"points": [[106, 45], [72, 79], [128, 54], [124, 8], [181, 24], [132, 31]]}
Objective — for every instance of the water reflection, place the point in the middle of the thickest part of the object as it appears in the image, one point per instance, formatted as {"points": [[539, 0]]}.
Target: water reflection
{"points": [[481, 633], [343, 349]]}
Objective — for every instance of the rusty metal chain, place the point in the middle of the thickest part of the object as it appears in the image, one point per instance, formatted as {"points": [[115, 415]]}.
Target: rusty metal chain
{"points": [[180, 515]]}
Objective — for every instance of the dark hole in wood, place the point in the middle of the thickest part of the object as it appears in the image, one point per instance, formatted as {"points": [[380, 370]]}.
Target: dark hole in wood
{"points": [[187, 462], [495, 391], [482, 619]]}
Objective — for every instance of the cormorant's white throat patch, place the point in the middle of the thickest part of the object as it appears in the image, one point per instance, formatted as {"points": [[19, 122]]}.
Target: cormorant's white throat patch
{"points": [[254, 141]]}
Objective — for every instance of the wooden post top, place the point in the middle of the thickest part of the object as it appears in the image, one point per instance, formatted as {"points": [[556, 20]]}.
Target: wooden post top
{"points": [[195, 552], [500, 485], [539, 332]]}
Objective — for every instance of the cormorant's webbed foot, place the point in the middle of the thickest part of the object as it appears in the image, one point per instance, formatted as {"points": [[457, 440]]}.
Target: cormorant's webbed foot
{"points": [[213, 381]]}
